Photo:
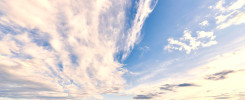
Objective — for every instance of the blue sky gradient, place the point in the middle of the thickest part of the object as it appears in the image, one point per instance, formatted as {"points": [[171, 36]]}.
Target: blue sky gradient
{"points": [[122, 49]]}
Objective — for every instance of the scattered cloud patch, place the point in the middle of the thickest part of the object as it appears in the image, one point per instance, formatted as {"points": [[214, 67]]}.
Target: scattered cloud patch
{"points": [[188, 43], [167, 87], [222, 18], [235, 5], [219, 5], [204, 23], [152, 92], [220, 75], [236, 20], [231, 14], [227, 15], [144, 48]]}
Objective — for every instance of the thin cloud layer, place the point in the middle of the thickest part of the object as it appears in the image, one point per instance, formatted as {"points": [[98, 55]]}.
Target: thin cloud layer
{"points": [[66, 49], [144, 96], [171, 87], [207, 81], [229, 14], [220, 75]]}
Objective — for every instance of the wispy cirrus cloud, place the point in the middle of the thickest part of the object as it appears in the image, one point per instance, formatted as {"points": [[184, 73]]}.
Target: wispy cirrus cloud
{"points": [[144, 9], [236, 20], [229, 14], [66, 49]]}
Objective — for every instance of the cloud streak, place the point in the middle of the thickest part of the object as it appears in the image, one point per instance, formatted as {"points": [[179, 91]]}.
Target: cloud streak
{"points": [[145, 7], [233, 14], [220, 75]]}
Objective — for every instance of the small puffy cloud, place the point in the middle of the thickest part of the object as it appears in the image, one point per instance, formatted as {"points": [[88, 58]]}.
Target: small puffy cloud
{"points": [[203, 34], [219, 5], [204, 23], [188, 43]]}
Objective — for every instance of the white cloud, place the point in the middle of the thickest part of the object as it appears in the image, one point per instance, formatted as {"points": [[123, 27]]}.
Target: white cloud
{"points": [[225, 17], [229, 15], [219, 5], [9, 44], [222, 18], [236, 20], [144, 9], [204, 23], [65, 49], [236, 5], [188, 43], [203, 34]]}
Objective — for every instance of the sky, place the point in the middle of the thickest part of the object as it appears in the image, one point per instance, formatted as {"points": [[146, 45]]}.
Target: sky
{"points": [[122, 49]]}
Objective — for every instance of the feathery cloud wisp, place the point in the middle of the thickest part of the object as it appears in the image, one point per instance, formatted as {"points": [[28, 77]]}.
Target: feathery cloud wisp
{"points": [[232, 14]]}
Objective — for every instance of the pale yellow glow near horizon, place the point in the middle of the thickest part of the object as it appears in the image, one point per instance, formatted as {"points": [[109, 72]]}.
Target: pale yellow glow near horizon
{"points": [[230, 87]]}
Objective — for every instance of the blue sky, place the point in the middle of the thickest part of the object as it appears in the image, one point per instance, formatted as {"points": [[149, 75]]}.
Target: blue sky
{"points": [[122, 49]]}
